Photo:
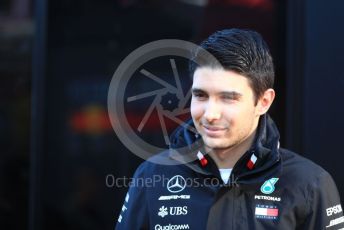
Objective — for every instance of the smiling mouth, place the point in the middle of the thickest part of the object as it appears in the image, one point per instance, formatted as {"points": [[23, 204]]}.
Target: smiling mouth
{"points": [[214, 131]]}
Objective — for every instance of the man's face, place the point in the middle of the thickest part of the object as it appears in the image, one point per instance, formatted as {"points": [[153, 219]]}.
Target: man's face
{"points": [[223, 107]]}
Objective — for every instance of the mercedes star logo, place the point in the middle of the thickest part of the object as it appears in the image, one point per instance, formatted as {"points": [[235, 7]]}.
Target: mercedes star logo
{"points": [[176, 184]]}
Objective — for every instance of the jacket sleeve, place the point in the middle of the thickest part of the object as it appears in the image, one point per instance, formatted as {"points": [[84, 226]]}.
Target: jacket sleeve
{"points": [[325, 210], [134, 213]]}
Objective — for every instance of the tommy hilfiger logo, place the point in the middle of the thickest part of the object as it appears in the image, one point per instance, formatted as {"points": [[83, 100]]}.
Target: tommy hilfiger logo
{"points": [[266, 212]]}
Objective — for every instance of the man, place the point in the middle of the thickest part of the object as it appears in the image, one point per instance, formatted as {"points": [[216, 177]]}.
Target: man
{"points": [[260, 185]]}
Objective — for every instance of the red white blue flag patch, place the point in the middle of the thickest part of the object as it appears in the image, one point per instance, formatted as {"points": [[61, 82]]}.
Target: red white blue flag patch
{"points": [[266, 212], [251, 162]]}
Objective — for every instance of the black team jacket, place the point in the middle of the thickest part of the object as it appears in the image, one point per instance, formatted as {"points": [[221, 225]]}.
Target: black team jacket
{"points": [[282, 191]]}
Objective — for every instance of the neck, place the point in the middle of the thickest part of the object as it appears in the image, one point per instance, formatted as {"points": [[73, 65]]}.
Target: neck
{"points": [[227, 157]]}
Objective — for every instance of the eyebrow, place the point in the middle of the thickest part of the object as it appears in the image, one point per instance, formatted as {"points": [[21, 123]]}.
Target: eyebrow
{"points": [[196, 90], [233, 94]]}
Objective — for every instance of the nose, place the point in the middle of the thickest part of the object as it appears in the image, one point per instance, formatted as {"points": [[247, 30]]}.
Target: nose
{"points": [[212, 111]]}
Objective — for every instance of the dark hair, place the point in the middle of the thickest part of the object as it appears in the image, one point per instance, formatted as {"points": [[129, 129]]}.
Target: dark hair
{"points": [[242, 51]]}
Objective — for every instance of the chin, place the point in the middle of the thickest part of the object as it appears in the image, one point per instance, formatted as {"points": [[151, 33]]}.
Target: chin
{"points": [[216, 144]]}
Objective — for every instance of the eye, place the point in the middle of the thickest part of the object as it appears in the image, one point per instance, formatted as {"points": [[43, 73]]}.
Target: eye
{"points": [[199, 95], [230, 97]]}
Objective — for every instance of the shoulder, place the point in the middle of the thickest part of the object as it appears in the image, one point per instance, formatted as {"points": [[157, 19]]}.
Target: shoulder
{"points": [[302, 170], [160, 164]]}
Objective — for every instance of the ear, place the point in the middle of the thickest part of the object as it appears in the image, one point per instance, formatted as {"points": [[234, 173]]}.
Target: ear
{"points": [[265, 101]]}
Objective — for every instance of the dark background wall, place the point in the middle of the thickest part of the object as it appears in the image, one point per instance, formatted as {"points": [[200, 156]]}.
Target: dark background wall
{"points": [[324, 87], [315, 83]]}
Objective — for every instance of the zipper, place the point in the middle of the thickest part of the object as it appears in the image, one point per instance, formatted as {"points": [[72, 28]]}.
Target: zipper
{"points": [[233, 209]]}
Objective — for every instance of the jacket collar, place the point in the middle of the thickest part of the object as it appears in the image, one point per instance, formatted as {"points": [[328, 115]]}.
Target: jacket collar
{"points": [[185, 146]]}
